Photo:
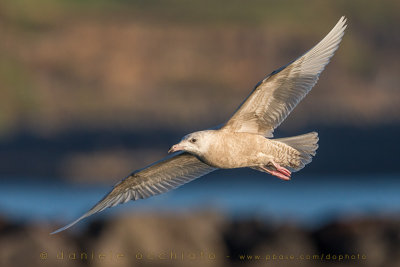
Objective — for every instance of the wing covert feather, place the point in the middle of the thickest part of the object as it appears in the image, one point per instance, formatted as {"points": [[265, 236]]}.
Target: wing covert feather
{"points": [[160, 177], [277, 95]]}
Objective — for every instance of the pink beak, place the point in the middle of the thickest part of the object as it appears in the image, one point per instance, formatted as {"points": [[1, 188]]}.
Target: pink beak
{"points": [[175, 148]]}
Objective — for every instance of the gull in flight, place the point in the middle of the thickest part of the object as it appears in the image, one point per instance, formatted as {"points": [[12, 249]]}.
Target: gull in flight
{"points": [[244, 140]]}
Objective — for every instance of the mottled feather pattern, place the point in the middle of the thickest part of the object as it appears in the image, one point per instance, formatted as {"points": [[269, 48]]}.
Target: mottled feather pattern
{"points": [[278, 94], [242, 141], [155, 179]]}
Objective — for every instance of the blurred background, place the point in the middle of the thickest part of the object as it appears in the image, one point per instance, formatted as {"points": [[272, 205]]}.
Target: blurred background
{"points": [[92, 90]]}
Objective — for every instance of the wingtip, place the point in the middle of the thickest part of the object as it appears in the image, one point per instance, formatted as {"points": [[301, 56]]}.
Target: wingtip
{"points": [[343, 21], [62, 229], [68, 225], [58, 230], [338, 30]]}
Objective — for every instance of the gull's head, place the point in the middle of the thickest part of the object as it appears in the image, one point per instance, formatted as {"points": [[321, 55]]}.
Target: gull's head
{"points": [[196, 143]]}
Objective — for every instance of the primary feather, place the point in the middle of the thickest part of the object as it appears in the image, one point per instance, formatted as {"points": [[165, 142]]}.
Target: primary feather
{"points": [[158, 178], [256, 118], [278, 94]]}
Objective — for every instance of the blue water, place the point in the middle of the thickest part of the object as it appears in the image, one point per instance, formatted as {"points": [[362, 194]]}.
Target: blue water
{"points": [[308, 200]]}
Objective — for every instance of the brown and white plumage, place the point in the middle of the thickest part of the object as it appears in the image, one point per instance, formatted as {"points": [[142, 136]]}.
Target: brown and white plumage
{"points": [[242, 141], [277, 95], [158, 178]]}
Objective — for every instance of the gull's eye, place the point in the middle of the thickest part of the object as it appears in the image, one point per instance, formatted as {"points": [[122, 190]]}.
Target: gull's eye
{"points": [[193, 140]]}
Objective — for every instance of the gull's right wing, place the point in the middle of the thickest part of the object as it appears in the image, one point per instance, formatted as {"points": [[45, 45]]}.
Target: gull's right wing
{"points": [[158, 178]]}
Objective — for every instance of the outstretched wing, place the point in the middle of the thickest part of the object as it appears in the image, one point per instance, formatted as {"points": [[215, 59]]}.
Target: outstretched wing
{"points": [[158, 178], [278, 94]]}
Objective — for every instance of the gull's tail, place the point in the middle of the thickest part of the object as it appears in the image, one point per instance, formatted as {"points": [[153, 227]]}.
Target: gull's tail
{"points": [[306, 144]]}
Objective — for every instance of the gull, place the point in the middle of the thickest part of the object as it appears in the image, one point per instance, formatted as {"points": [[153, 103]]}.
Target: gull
{"points": [[244, 140]]}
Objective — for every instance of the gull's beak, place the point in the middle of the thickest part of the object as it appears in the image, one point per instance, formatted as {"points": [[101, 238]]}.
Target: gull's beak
{"points": [[175, 148]]}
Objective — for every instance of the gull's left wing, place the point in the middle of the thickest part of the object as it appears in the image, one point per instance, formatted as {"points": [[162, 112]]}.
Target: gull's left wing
{"points": [[278, 94], [158, 178]]}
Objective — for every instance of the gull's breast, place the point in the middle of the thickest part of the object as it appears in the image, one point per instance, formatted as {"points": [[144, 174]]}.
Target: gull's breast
{"points": [[234, 150]]}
